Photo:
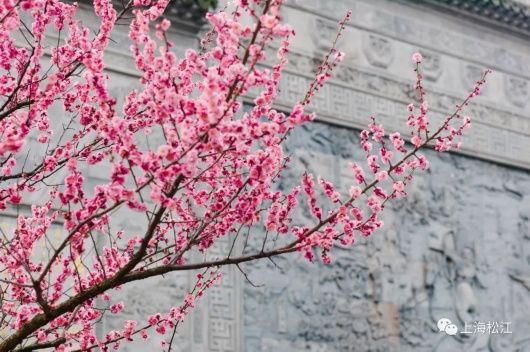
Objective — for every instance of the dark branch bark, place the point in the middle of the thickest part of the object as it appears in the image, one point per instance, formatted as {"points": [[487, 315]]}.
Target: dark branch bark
{"points": [[6, 113], [41, 346], [42, 319]]}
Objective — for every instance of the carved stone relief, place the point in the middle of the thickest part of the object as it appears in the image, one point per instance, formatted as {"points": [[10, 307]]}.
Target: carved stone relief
{"points": [[431, 65], [224, 301], [412, 25], [352, 107], [516, 90], [323, 36], [378, 50], [453, 248], [441, 254], [471, 73]]}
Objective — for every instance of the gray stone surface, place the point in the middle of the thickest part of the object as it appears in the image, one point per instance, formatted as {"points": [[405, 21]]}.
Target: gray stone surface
{"points": [[458, 247]]}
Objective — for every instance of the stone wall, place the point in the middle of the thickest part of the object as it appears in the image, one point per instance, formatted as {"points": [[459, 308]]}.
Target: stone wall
{"points": [[458, 247]]}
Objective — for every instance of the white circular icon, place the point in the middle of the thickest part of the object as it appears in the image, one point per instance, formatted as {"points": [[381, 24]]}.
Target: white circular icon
{"points": [[446, 326], [442, 323], [451, 329]]}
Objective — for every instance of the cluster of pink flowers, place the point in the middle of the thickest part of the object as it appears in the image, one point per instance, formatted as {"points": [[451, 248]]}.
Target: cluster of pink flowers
{"points": [[392, 170], [210, 168], [309, 189]]}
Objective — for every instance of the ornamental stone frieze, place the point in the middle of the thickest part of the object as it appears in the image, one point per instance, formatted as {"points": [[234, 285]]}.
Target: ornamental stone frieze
{"points": [[459, 247], [358, 92], [378, 50], [516, 90], [438, 31], [377, 77], [455, 249], [324, 36], [431, 65]]}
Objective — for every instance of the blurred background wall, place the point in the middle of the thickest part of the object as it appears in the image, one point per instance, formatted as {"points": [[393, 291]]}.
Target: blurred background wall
{"points": [[458, 247]]}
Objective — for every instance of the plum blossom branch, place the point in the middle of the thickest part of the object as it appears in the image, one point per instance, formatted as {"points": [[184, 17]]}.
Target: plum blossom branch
{"points": [[210, 177]]}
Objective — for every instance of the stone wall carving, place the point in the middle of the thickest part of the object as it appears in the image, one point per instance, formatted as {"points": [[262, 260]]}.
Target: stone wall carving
{"points": [[213, 326], [516, 90], [224, 302], [413, 24], [450, 249], [323, 38], [350, 106], [387, 33], [432, 65], [379, 50], [457, 247]]}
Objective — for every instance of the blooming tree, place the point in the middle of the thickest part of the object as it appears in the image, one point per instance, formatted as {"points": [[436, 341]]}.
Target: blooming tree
{"points": [[209, 175]]}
